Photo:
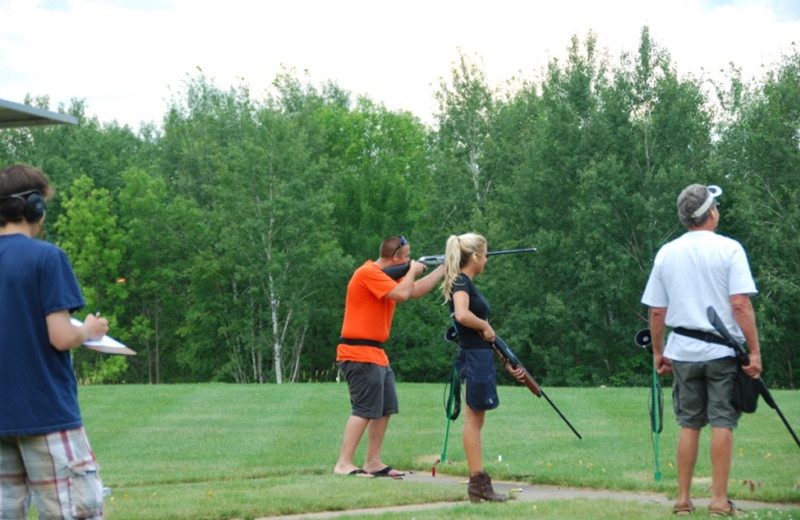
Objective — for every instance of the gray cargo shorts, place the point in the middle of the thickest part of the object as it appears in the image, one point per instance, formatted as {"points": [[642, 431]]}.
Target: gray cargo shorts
{"points": [[372, 389], [702, 391]]}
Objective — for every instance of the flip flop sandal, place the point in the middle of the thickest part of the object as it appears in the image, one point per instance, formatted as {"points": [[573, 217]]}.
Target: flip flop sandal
{"points": [[731, 511], [387, 472], [683, 510], [360, 473]]}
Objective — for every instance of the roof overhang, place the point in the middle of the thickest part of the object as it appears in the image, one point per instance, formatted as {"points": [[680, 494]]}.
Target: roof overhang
{"points": [[15, 115]]}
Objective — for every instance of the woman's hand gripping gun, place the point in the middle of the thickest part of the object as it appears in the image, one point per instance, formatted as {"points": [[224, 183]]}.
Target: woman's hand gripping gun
{"points": [[508, 356]]}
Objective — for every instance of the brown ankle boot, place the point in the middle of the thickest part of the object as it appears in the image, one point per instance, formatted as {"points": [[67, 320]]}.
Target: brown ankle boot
{"points": [[480, 488]]}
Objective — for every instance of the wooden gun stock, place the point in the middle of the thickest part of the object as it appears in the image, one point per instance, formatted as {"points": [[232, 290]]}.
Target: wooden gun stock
{"points": [[507, 355], [531, 383], [505, 352]]}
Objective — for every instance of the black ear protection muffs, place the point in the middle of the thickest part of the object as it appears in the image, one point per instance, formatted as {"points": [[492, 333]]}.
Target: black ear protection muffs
{"points": [[34, 204]]}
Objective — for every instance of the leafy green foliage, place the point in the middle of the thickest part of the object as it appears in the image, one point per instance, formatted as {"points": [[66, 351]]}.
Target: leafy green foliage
{"points": [[760, 152], [221, 245], [90, 236]]}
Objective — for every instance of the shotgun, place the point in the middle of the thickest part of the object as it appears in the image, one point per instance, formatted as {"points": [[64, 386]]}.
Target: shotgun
{"points": [[396, 272], [505, 352], [742, 354]]}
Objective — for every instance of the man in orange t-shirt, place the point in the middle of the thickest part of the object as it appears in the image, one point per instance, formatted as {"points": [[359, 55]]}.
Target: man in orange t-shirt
{"points": [[369, 308]]}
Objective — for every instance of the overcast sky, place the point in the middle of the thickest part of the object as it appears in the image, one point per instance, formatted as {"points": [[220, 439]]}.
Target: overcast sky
{"points": [[126, 58]]}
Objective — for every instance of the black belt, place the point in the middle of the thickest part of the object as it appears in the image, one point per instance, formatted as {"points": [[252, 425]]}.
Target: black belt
{"points": [[708, 337], [360, 342]]}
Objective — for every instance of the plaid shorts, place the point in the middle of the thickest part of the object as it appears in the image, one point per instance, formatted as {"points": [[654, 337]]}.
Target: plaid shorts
{"points": [[58, 471]]}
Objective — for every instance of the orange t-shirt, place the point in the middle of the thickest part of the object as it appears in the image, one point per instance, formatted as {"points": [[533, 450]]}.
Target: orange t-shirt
{"points": [[367, 314]]}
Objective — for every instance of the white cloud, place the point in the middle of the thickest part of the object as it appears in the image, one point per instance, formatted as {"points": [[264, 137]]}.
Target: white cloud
{"points": [[124, 56]]}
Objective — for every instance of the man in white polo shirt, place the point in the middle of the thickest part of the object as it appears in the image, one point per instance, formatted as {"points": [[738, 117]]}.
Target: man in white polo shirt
{"points": [[696, 270]]}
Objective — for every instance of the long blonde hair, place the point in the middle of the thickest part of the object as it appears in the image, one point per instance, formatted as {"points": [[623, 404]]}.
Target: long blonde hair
{"points": [[457, 252]]}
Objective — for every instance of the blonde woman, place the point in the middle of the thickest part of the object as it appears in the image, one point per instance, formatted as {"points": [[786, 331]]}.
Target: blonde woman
{"points": [[465, 257]]}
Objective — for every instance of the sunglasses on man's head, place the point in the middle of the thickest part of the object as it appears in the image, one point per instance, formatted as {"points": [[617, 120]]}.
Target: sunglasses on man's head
{"points": [[403, 242]]}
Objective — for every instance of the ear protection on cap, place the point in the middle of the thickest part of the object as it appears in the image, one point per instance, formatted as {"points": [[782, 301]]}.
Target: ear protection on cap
{"points": [[34, 204]]}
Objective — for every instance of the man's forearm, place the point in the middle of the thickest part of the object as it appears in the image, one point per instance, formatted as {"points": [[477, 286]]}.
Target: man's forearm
{"points": [[425, 284], [746, 319], [658, 327]]}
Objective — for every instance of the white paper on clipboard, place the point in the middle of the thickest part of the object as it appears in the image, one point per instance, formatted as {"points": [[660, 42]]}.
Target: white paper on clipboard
{"points": [[106, 345]]}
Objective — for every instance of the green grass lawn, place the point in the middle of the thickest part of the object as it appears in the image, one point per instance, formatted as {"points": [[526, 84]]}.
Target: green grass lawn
{"points": [[216, 451]]}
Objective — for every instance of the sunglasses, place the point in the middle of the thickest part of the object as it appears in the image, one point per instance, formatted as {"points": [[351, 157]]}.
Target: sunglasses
{"points": [[403, 242]]}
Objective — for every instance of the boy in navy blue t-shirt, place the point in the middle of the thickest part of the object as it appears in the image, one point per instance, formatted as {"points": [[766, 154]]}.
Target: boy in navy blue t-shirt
{"points": [[44, 452]]}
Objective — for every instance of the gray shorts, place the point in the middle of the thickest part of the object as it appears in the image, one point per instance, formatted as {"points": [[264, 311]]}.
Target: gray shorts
{"points": [[702, 391], [372, 389]]}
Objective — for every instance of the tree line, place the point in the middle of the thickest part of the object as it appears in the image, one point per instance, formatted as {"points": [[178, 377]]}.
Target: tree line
{"points": [[220, 243]]}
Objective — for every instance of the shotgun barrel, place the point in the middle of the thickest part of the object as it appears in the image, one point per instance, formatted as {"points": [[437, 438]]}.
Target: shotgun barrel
{"points": [[398, 271], [742, 354], [505, 352]]}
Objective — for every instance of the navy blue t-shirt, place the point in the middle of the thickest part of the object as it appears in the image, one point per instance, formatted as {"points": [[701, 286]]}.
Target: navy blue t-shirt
{"points": [[38, 391], [469, 338]]}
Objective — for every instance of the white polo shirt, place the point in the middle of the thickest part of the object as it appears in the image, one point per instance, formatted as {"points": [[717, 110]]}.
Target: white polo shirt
{"points": [[698, 269]]}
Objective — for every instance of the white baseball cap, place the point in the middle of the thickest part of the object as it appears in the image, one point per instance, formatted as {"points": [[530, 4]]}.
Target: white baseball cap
{"points": [[714, 191]]}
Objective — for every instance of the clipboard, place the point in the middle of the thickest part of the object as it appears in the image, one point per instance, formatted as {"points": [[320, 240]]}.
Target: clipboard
{"points": [[106, 345]]}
